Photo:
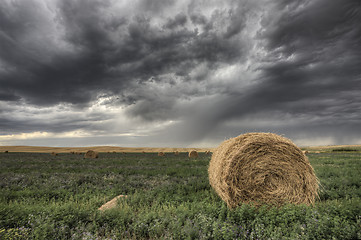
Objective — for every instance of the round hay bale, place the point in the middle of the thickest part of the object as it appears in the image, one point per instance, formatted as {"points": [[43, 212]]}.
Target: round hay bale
{"points": [[262, 168], [161, 154], [91, 154], [193, 154]]}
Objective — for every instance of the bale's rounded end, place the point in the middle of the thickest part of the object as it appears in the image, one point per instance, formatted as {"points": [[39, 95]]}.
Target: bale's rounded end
{"points": [[262, 168]]}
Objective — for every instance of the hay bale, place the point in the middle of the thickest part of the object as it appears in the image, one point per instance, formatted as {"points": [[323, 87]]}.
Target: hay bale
{"points": [[6, 151], [112, 203], [262, 168], [176, 153], [161, 154], [91, 154], [193, 154], [54, 153]]}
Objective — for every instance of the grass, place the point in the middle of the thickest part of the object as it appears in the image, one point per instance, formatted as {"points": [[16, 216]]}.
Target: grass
{"points": [[57, 197]]}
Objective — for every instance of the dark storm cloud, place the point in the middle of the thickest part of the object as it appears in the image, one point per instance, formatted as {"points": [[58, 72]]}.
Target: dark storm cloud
{"points": [[312, 63], [178, 20], [214, 68], [103, 52], [310, 75]]}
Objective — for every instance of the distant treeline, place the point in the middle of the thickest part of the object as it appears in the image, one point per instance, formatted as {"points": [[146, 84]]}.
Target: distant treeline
{"points": [[344, 150]]}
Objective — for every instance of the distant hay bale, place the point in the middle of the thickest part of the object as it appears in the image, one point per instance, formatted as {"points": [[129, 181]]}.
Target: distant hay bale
{"points": [[72, 152], [91, 154], [305, 152], [161, 154], [193, 154], [6, 151], [262, 168], [112, 203], [54, 153], [176, 153], [207, 152], [114, 152]]}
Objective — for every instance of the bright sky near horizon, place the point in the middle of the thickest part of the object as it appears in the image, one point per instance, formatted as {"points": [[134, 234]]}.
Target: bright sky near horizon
{"points": [[184, 73]]}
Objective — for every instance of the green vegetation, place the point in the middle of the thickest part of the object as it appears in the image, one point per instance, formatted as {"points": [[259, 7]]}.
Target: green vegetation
{"points": [[57, 197]]}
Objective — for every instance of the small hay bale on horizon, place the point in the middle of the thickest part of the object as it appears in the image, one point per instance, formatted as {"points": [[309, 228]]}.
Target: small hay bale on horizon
{"points": [[91, 154], [262, 168], [54, 153], [193, 154], [176, 153], [161, 154]]}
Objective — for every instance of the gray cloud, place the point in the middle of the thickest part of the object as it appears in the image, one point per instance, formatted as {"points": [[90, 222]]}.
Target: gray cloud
{"points": [[104, 52], [212, 69]]}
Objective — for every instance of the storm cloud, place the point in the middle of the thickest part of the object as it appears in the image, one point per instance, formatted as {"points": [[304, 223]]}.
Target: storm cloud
{"points": [[179, 73]]}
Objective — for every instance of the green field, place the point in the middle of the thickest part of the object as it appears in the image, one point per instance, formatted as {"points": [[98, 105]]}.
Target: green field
{"points": [[57, 197]]}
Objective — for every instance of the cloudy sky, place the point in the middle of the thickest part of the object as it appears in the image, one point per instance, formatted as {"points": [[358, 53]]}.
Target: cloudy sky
{"points": [[187, 73]]}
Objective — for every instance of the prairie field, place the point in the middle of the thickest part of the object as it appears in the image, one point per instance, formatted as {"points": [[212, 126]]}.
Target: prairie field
{"points": [[44, 196]]}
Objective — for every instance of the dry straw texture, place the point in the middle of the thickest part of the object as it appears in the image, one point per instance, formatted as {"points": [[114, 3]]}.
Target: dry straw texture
{"points": [[91, 154], [112, 203], [193, 154], [262, 168]]}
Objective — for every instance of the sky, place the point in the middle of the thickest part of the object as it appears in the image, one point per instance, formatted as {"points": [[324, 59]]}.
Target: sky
{"points": [[189, 73]]}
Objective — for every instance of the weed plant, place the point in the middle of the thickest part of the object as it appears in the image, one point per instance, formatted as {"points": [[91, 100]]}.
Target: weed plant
{"points": [[57, 197]]}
